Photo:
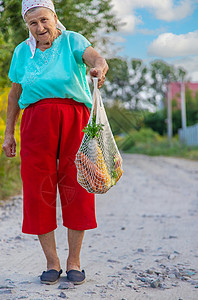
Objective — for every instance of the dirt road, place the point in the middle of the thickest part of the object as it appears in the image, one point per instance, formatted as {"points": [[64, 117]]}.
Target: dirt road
{"points": [[145, 246]]}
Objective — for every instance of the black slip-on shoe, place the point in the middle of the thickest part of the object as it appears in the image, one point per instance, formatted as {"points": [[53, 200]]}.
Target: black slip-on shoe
{"points": [[76, 277], [51, 276]]}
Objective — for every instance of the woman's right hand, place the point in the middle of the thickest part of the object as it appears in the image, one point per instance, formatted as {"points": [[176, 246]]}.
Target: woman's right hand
{"points": [[9, 146]]}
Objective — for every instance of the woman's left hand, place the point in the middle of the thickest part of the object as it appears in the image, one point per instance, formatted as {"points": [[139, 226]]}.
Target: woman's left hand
{"points": [[96, 72], [97, 63]]}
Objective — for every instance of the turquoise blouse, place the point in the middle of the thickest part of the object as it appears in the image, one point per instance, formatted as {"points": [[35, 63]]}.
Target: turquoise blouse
{"points": [[58, 72]]}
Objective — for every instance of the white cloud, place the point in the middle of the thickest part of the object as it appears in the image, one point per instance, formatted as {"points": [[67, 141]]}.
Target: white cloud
{"points": [[130, 23], [172, 45], [163, 10], [181, 50], [167, 11]]}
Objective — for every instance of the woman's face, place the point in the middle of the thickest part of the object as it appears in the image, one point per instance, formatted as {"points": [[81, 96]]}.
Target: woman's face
{"points": [[42, 24]]}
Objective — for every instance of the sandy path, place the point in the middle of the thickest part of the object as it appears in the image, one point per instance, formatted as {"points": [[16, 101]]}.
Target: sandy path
{"points": [[147, 236]]}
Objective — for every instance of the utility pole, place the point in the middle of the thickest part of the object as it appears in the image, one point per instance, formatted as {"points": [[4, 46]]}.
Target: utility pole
{"points": [[183, 105], [169, 116]]}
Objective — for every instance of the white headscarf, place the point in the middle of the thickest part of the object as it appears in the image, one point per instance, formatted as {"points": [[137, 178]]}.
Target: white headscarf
{"points": [[27, 5]]}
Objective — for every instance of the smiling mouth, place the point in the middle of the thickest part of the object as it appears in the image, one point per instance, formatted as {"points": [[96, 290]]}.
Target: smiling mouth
{"points": [[43, 33]]}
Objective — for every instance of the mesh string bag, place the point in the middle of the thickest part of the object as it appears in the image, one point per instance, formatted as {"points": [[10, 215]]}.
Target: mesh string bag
{"points": [[98, 161]]}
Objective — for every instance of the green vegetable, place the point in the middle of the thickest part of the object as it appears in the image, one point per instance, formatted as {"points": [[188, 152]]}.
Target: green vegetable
{"points": [[93, 129]]}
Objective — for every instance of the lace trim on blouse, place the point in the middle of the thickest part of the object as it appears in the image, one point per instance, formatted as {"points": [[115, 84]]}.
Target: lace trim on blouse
{"points": [[40, 62]]}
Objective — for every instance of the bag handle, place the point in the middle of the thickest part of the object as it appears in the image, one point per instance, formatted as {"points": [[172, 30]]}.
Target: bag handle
{"points": [[97, 101], [95, 97], [97, 92], [98, 104], [95, 82]]}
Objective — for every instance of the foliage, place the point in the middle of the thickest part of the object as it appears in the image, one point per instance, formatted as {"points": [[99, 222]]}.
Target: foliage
{"points": [[88, 17], [157, 120], [151, 143], [139, 85], [12, 32], [122, 120], [3, 116], [117, 80], [3, 110], [144, 135], [10, 182], [125, 80], [191, 107], [4, 60], [92, 129], [127, 143], [161, 74]]}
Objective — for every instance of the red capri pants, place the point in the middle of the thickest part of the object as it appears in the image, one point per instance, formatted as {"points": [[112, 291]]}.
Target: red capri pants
{"points": [[51, 129]]}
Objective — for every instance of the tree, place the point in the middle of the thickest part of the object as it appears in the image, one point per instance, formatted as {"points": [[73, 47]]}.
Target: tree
{"points": [[116, 86], [88, 17], [139, 85], [191, 107], [126, 81], [4, 59], [162, 73], [157, 120]]}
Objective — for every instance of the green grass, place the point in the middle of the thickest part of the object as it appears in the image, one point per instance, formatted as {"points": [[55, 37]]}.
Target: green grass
{"points": [[10, 179], [150, 143]]}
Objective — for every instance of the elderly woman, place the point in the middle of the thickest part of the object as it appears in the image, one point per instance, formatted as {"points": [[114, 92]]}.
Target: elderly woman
{"points": [[48, 74]]}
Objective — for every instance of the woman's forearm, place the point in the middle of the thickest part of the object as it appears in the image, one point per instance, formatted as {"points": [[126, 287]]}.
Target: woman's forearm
{"points": [[13, 109], [97, 63], [13, 112], [94, 60]]}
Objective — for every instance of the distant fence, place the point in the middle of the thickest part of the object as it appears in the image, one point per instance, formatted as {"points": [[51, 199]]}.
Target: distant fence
{"points": [[189, 136]]}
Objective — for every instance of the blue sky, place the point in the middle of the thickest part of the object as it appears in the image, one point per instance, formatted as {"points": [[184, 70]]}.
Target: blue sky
{"points": [[160, 29]]}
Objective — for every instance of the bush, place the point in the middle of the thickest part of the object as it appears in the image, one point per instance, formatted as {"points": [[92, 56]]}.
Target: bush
{"points": [[10, 182], [143, 136], [123, 120], [156, 121], [127, 143], [151, 143]]}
